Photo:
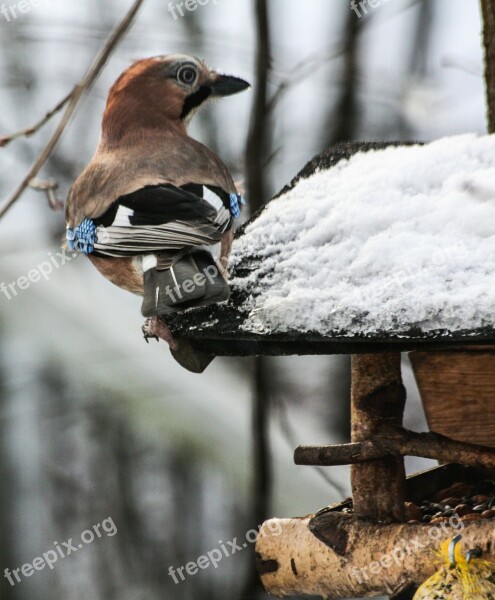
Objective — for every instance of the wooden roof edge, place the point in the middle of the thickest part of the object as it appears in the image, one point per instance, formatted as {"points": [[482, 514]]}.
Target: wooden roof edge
{"points": [[197, 351]]}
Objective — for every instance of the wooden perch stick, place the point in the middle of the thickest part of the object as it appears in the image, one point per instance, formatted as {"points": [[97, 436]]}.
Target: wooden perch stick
{"points": [[335, 555], [338, 454], [377, 400], [398, 441]]}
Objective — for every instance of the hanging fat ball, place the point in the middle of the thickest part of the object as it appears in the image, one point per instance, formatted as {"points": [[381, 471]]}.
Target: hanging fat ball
{"points": [[461, 577]]}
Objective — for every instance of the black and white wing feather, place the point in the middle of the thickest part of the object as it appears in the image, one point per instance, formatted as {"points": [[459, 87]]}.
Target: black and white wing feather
{"points": [[162, 220]]}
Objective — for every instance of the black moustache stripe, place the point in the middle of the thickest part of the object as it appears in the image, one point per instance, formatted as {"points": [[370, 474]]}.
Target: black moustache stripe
{"points": [[195, 100]]}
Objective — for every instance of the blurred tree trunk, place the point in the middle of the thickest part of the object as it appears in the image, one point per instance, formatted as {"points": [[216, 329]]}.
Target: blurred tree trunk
{"points": [[7, 504], [422, 35], [343, 119], [194, 32], [488, 13], [258, 142], [422, 39], [257, 152], [343, 125]]}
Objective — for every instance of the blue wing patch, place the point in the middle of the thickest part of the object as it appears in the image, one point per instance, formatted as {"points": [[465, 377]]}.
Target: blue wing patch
{"points": [[235, 209], [83, 237]]}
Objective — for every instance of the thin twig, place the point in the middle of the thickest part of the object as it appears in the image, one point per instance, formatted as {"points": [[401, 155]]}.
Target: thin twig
{"points": [[37, 126], [288, 432], [75, 96], [298, 73], [303, 69], [49, 187]]}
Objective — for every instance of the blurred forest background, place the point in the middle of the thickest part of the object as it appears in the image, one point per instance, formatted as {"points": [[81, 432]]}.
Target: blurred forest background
{"points": [[95, 423]]}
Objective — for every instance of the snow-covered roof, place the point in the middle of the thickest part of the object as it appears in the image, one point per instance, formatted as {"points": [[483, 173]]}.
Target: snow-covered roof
{"points": [[392, 243]]}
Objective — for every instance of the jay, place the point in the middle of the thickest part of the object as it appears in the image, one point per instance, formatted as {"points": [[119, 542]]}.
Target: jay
{"points": [[152, 199]]}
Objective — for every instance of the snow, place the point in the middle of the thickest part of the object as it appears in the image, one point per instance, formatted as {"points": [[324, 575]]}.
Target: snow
{"points": [[385, 242]]}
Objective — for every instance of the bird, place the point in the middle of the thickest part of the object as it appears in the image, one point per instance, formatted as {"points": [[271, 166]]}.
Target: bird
{"points": [[152, 201]]}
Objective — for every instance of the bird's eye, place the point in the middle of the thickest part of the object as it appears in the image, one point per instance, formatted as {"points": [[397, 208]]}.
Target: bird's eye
{"points": [[186, 75]]}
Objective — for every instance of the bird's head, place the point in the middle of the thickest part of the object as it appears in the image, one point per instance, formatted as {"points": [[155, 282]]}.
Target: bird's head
{"points": [[163, 91]]}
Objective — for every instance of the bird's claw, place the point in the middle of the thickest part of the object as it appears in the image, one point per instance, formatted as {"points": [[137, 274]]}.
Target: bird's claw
{"points": [[154, 328], [148, 332], [147, 337]]}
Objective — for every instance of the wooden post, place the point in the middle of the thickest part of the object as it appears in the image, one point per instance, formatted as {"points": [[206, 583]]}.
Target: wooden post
{"points": [[377, 399], [488, 13]]}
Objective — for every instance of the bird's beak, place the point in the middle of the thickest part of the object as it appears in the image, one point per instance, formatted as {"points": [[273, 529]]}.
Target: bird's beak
{"points": [[226, 85]]}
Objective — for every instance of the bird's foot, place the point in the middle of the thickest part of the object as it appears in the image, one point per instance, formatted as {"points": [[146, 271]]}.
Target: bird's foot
{"points": [[155, 328], [223, 266]]}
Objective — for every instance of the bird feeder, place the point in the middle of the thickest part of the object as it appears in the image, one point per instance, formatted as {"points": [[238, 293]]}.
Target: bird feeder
{"points": [[354, 228]]}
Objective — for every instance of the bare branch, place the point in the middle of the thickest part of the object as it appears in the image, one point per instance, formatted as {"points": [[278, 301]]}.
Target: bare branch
{"points": [[306, 67], [288, 432], [48, 187], [37, 126], [75, 96]]}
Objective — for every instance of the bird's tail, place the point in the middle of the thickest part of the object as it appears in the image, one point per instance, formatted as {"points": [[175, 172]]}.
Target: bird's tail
{"points": [[193, 281]]}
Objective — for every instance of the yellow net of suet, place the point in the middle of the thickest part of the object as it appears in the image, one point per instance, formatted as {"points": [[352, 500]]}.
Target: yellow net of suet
{"points": [[460, 577]]}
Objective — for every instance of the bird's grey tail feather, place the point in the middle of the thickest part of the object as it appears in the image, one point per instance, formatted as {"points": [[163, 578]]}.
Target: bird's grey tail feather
{"points": [[193, 281]]}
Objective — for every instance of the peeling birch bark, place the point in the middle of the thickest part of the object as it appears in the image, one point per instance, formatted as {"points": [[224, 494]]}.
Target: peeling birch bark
{"points": [[338, 556]]}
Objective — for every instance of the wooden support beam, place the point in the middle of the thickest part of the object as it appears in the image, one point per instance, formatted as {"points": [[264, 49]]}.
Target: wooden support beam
{"points": [[334, 555], [396, 441], [377, 400]]}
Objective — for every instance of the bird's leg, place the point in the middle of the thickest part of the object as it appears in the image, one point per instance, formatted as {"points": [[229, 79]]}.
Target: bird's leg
{"points": [[154, 327], [225, 248]]}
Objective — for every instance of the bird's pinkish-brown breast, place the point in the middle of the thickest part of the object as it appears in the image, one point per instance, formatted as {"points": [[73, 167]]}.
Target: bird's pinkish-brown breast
{"points": [[122, 272]]}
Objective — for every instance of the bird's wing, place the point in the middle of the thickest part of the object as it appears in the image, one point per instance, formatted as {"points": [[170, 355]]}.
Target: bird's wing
{"points": [[156, 160], [156, 219]]}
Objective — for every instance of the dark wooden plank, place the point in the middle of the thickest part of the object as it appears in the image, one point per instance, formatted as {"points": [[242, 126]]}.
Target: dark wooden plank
{"points": [[240, 343], [466, 379]]}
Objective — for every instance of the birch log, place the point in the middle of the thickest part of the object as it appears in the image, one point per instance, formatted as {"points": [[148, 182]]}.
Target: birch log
{"points": [[335, 555]]}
